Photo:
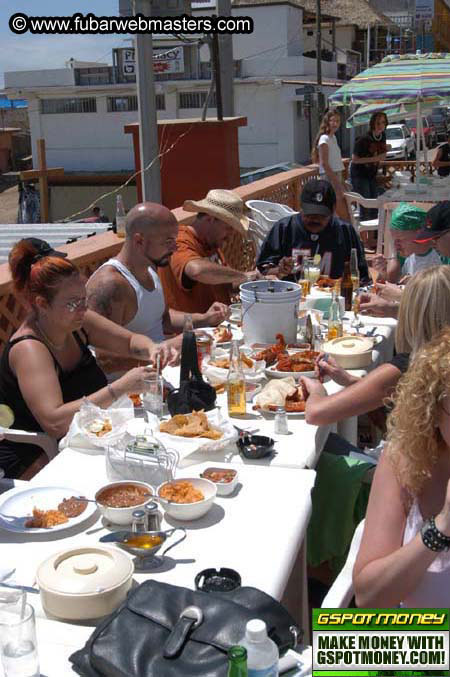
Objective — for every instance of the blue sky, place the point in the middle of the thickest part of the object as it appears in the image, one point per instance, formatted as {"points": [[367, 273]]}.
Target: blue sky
{"points": [[28, 52]]}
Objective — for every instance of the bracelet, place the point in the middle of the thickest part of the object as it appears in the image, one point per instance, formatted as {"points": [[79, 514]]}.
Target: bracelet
{"points": [[111, 391], [432, 538]]}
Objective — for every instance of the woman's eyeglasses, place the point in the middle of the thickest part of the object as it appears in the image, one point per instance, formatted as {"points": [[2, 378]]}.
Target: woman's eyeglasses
{"points": [[72, 306]]}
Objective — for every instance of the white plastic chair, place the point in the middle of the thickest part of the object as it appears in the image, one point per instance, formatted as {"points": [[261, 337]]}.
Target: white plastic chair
{"points": [[356, 198], [371, 224], [263, 215], [47, 443], [341, 592]]}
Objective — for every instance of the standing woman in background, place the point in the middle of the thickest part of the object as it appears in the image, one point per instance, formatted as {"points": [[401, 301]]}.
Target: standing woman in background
{"points": [[327, 153]]}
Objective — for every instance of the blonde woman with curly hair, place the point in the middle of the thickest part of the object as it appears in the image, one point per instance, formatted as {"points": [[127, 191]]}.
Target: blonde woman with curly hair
{"points": [[404, 556]]}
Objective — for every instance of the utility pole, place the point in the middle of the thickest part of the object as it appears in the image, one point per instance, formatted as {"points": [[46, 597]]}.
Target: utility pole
{"points": [[148, 137], [226, 62], [320, 102], [215, 53]]}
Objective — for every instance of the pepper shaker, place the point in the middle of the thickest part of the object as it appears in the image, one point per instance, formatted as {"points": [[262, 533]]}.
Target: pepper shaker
{"points": [[138, 524], [280, 423], [153, 517]]}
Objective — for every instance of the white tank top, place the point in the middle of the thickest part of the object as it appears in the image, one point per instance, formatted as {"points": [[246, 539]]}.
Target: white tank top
{"points": [[434, 587], [150, 304]]}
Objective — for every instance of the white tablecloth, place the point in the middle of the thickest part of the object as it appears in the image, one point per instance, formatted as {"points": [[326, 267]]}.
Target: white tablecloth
{"points": [[258, 531]]}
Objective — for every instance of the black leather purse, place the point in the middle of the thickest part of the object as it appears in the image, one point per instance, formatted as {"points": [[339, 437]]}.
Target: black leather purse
{"points": [[165, 631], [194, 393]]}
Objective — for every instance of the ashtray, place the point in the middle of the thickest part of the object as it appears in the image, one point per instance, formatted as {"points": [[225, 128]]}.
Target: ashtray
{"points": [[255, 446], [223, 580]]}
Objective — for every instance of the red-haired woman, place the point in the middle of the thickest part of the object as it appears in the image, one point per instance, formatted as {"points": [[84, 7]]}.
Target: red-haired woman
{"points": [[46, 367]]}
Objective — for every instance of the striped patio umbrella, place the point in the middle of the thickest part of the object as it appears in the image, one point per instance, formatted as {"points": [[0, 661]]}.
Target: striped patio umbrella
{"points": [[394, 112], [405, 78], [418, 79]]}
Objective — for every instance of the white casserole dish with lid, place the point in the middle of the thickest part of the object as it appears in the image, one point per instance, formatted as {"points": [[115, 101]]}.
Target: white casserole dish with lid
{"points": [[84, 583], [350, 352]]}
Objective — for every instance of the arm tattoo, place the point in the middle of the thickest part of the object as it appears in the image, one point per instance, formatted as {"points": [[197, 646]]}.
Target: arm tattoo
{"points": [[102, 296]]}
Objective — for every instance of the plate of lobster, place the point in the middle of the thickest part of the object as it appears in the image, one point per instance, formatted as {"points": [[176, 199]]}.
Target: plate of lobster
{"points": [[271, 353], [327, 283], [224, 334], [282, 393], [294, 363]]}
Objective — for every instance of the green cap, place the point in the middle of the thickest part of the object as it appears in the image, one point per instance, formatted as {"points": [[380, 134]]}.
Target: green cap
{"points": [[407, 217]]}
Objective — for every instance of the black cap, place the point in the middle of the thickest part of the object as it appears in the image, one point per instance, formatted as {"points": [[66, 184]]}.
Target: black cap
{"points": [[436, 222], [318, 197], [43, 248]]}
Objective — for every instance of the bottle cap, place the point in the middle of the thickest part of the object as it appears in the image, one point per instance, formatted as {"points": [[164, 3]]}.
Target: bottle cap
{"points": [[256, 630]]}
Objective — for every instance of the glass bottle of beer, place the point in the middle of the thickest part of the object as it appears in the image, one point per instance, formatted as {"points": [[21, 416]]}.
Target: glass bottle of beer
{"points": [[347, 286], [235, 382], [354, 270], [335, 328], [237, 662], [120, 217]]}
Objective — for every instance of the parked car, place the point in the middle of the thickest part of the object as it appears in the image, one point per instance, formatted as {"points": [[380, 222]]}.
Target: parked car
{"points": [[429, 131], [439, 119], [401, 141], [264, 172]]}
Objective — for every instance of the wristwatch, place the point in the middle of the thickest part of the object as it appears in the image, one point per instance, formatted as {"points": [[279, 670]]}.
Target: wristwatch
{"points": [[433, 538]]}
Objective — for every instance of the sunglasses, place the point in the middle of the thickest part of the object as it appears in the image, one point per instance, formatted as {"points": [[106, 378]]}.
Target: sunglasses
{"points": [[72, 306]]}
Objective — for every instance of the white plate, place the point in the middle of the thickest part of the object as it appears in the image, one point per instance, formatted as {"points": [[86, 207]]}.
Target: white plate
{"points": [[274, 373], [236, 333], [19, 503]]}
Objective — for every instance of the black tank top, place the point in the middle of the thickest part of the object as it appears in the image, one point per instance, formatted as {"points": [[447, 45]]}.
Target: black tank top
{"points": [[85, 379], [445, 157]]}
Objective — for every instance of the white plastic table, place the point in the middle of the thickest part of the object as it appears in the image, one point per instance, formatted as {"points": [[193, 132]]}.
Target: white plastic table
{"points": [[259, 531]]}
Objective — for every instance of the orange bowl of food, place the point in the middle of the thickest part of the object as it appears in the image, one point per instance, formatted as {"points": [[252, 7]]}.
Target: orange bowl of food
{"points": [[187, 498]]}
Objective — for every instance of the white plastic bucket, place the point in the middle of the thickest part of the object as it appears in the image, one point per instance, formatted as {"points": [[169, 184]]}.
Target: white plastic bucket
{"points": [[267, 313]]}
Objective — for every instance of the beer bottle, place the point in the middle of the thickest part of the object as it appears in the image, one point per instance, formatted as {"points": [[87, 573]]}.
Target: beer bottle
{"points": [[354, 270], [237, 662], [335, 328], [347, 286], [235, 382], [120, 217]]}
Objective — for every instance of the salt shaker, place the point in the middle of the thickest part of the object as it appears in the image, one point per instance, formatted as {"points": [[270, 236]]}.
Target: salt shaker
{"points": [[280, 423], [153, 517], [138, 524]]}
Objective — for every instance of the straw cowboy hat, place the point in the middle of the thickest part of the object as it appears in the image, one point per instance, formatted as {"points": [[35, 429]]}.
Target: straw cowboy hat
{"points": [[223, 205]]}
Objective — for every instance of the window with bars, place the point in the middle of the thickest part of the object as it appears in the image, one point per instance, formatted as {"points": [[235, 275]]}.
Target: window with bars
{"points": [[120, 104], [195, 100], [76, 105]]}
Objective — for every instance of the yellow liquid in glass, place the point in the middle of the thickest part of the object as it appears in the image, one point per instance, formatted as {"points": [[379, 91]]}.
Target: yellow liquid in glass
{"points": [[355, 281], [335, 331], [306, 286], [236, 397]]}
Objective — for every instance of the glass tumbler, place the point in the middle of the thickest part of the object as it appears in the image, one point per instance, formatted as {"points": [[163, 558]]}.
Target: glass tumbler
{"points": [[18, 646]]}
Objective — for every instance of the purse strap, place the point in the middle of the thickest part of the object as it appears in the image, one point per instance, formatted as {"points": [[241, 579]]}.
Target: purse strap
{"points": [[189, 358]]}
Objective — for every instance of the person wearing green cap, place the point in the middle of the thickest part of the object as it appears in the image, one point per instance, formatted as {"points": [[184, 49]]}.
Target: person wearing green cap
{"points": [[406, 221]]}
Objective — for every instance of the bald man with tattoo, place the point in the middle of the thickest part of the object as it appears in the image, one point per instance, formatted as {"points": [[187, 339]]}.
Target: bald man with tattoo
{"points": [[127, 289]]}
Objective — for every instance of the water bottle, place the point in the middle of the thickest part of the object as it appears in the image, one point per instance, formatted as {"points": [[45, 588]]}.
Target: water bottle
{"points": [[262, 652]]}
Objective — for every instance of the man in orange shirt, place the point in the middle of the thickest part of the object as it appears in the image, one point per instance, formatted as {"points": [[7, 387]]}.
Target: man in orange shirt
{"points": [[197, 275]]}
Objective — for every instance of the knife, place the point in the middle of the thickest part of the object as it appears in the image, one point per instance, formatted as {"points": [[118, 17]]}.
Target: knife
{"points": [[25, 588]]}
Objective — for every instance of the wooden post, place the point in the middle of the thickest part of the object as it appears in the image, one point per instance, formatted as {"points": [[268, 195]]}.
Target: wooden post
{"points": [[42, 173]]}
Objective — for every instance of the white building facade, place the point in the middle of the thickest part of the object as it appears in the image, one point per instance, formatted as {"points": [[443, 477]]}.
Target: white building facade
{"points": [[81, 110]]}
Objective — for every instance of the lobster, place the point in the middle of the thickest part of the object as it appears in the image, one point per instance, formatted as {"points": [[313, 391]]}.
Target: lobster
{"points": [[304, 361], [271, 353]]}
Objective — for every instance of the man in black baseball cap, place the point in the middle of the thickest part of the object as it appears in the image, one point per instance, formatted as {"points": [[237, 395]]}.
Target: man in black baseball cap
{"points": [[314, 230], [437, 229]]}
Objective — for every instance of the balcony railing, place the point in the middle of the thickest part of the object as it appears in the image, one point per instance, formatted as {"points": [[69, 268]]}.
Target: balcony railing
{"points": [[90, 253]]}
